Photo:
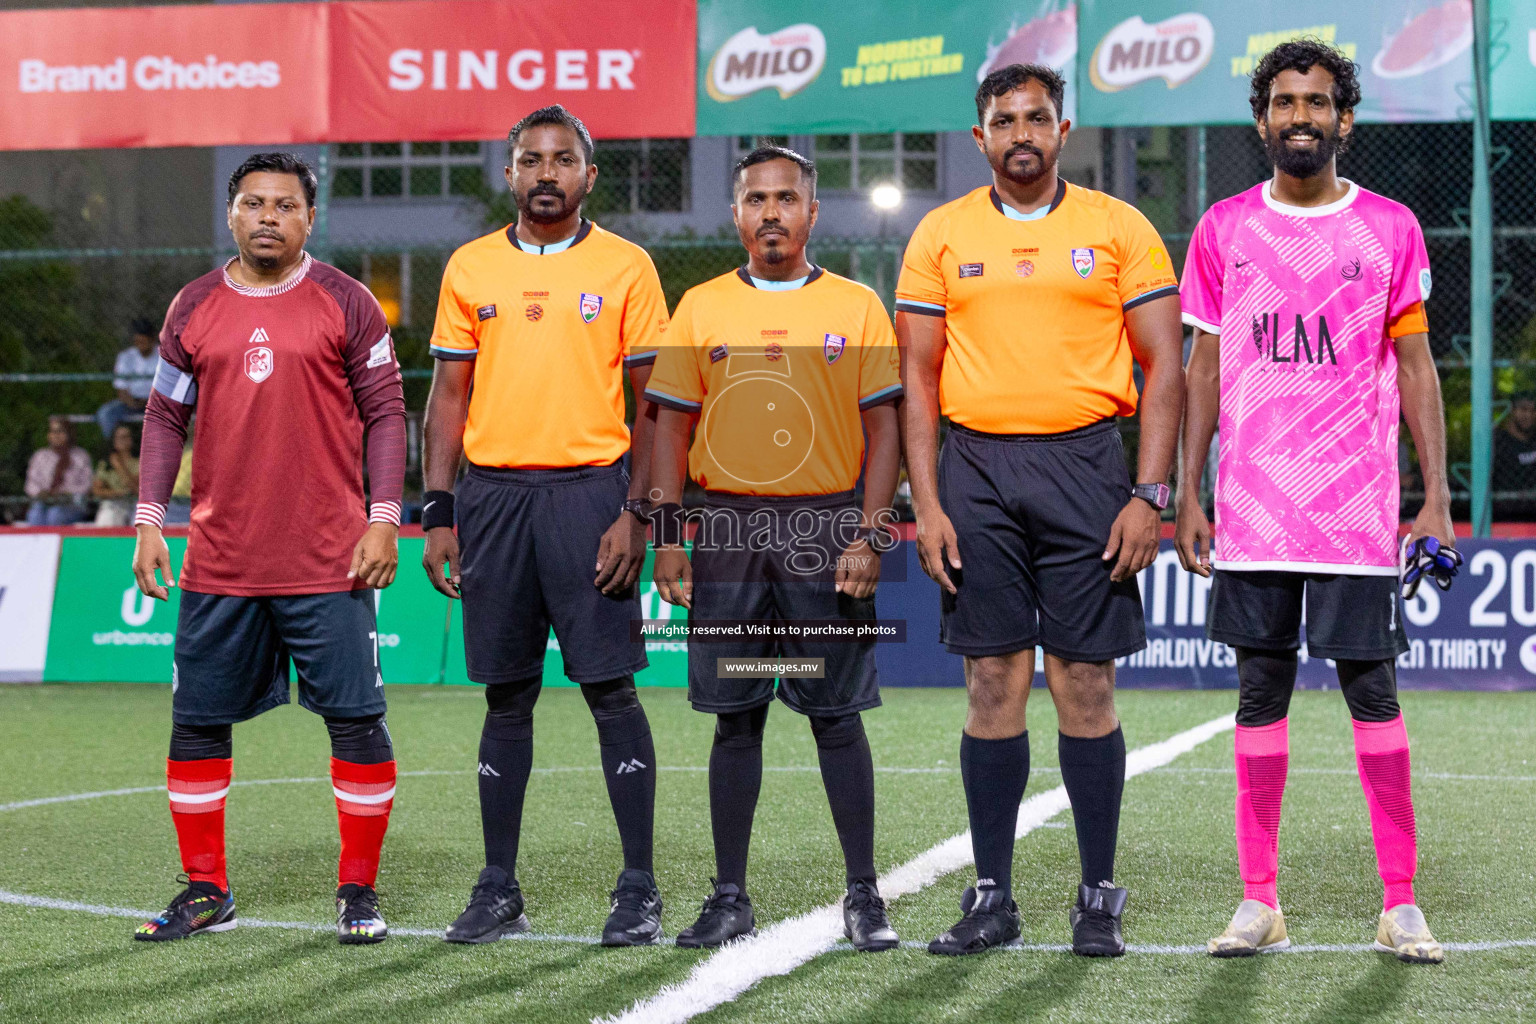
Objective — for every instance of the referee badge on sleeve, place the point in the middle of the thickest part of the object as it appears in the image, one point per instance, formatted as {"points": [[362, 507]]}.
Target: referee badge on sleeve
{"points": [[833, 347]]}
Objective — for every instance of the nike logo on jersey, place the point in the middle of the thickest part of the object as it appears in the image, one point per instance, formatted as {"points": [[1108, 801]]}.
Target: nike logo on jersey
{"points": [[1240, 265], [486, 769], [634, 764]]}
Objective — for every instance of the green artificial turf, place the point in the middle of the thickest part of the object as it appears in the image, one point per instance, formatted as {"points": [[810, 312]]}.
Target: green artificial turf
{"points": [[1176, 856]]}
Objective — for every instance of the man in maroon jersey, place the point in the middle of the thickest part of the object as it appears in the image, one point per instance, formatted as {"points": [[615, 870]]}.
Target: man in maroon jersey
{"points": [[289, 365]]}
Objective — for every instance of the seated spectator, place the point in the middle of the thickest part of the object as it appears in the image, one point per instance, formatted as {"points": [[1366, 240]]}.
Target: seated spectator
{"points": [[133, 375], [116, 485], [179, 511], [58, 478], [1514, 447]]}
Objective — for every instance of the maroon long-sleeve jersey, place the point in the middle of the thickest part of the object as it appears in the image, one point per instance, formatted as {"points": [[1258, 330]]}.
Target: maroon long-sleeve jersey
{"points": [[285, 382]]}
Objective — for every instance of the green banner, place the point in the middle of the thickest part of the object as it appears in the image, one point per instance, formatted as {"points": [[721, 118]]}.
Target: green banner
{"points": [[104, 630], [1513, 59], [798, 66], [1168, 62]]}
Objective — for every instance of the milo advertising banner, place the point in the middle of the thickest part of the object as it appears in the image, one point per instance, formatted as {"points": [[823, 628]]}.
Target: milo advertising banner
{"points": [[1512, 34], [793, 66], [1156, 62]]}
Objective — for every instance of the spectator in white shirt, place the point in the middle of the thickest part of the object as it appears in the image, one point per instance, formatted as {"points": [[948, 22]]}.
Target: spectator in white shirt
{"points": [[58, 478], [133, 375]]}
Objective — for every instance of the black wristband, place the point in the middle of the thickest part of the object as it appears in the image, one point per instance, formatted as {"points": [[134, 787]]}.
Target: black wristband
{"points": [[437, 510], [667, 520]]}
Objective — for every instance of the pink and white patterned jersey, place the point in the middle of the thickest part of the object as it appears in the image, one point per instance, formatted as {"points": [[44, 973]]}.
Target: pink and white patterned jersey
{"points": [[1308, 302]]}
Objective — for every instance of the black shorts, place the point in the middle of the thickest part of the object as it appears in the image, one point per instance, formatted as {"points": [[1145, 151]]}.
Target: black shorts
{"points": [[1032, 513], [232, 654], [528, 541], [1357, 618], [770, 558]]}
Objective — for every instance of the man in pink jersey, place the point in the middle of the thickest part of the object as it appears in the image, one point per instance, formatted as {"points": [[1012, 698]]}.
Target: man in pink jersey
{"points": [[289, 365], [1306, 294]]}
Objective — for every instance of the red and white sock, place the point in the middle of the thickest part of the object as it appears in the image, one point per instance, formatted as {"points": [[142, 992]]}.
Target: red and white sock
{"points": [[364, 795], [197, 790], [1381, 755], [1263, 755]]}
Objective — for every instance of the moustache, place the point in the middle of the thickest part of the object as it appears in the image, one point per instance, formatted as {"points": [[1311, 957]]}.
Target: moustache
{"points": [[546, 190], [771, 229], [1023, 149], [267, 234], [1301, 133]]}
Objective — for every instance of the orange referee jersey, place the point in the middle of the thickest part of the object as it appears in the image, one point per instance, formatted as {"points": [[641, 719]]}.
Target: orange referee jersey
{"points": [[1034, 310], [550, 335], [779, 379]]}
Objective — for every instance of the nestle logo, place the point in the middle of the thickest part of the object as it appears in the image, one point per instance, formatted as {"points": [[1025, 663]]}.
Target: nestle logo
{"points": [[486, 312], [970, 270]]}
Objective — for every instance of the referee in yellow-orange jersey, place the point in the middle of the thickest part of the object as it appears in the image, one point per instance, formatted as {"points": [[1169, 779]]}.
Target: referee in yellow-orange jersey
{"points": [[536, 325], [1021, 307], [785, 368]]}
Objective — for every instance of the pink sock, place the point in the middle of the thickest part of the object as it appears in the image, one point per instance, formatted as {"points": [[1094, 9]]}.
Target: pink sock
{"points": [[1262, 754], [1381, 754]]}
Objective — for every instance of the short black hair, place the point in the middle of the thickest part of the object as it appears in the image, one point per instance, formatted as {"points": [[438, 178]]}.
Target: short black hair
{"points": [[763, 154], [1006, 79], [276, 163], [555, 114], [1303, 55], [142, 325]]}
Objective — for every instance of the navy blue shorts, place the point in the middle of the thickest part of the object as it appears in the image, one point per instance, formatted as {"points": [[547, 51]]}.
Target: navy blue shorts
{"points": [[1032, 513], [1354, 618], [528, 541], [761, 559], [232, 655]]}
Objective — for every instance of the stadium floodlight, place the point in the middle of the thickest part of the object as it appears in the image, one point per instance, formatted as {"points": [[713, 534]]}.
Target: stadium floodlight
{"points": [[885, 197]]}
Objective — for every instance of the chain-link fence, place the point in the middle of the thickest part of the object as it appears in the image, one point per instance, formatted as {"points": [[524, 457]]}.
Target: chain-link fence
{"points": [[65, 309]]}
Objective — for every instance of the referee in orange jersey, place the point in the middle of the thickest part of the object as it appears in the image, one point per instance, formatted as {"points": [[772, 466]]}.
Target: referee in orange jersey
{"points": [[536, 326], [1021, 307]]}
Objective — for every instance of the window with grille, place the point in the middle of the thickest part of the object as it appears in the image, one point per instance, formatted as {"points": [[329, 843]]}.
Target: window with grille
{"points": [[640, 176], [406, 170], [857, 163]]}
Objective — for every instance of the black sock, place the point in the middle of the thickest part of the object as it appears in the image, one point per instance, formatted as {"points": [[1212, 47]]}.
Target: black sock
{"points": [[1094, 773], [629, 765], [506, 760], [848, 773], [735, 779], [994, 773]]}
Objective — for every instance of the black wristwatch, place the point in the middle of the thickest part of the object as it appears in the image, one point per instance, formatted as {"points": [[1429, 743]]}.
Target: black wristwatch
{"points": [[640, 508], [1156, 495]]}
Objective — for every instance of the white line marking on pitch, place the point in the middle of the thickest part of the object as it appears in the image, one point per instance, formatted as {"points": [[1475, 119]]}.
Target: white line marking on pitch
{"points": [[553, 770], [782, 947]]}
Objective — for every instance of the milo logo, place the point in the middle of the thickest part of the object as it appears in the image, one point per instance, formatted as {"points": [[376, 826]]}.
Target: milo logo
{"points": [[787, 60], [1175, 50]]}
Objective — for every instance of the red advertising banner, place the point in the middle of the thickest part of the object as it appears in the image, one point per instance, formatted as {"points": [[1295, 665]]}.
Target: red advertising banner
{"points": [[163, 76], [468, 69], [274, 74]]}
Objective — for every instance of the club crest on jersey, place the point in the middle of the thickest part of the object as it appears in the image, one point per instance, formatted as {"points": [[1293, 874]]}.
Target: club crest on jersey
{"points": [[591, 305], [833, 346], [1082, 262], [258, 358]]}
